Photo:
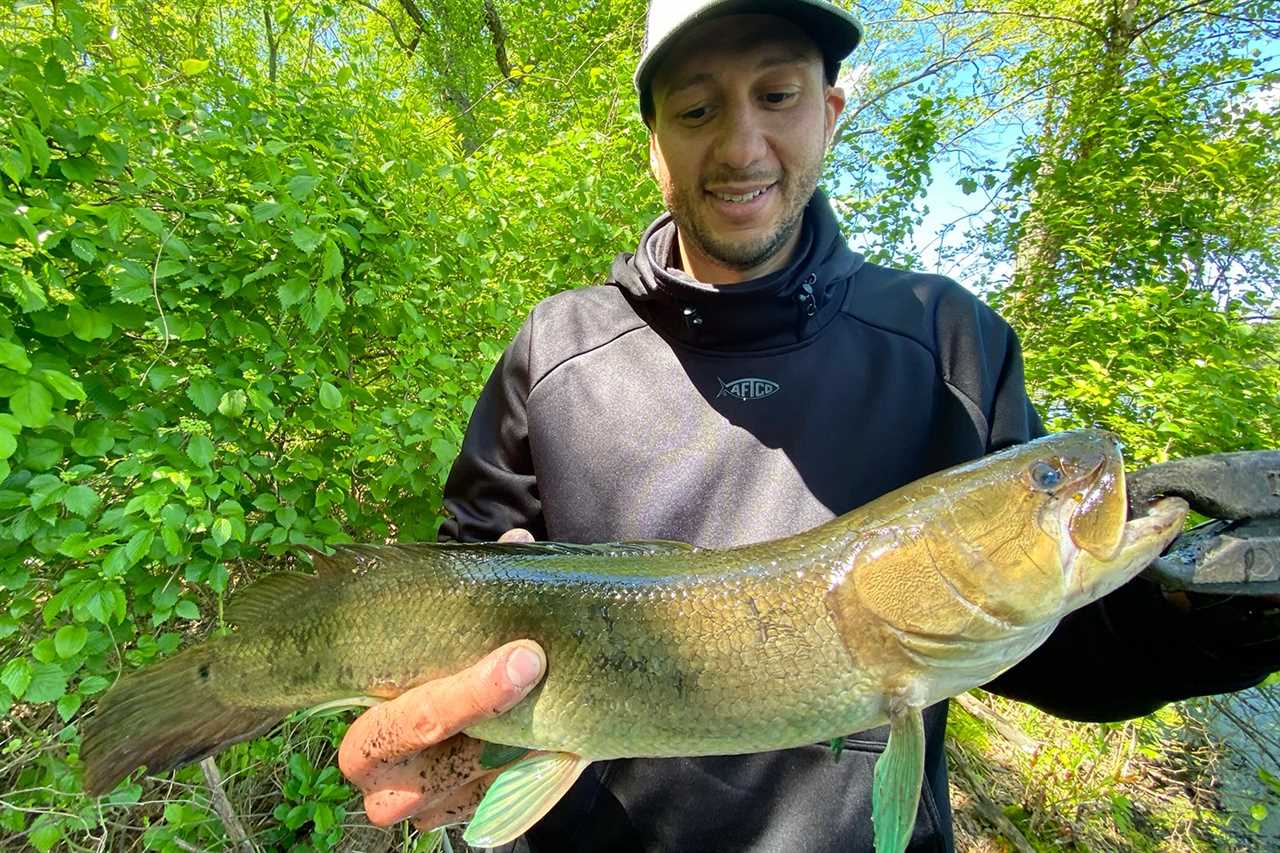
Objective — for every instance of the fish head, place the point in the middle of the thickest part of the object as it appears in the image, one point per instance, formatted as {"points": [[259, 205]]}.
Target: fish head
{"points": [[983, 560]]}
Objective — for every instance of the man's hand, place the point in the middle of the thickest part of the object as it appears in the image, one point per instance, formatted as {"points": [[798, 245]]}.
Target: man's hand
{"points": [[408, 756]]}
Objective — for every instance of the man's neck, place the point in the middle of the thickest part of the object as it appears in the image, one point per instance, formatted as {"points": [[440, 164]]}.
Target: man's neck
{"points": [[707, 270]]}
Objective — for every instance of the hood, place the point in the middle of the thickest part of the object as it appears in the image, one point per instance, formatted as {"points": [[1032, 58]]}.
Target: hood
{"points": [[779, 309]]}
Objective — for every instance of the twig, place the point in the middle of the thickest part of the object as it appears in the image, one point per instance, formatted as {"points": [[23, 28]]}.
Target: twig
{"points": [[986, 808], [235, 830], [155, 294], [1008, 730]]}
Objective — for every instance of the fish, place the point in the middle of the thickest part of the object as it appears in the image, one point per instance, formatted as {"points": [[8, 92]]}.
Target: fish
{"points": [[661, 649]]}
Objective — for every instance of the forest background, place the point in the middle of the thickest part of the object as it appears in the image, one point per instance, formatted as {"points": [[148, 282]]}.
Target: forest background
{"points": [[257, 258]]}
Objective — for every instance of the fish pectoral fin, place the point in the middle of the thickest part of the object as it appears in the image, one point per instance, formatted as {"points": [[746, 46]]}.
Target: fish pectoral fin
{"points": [[521, 795], [899, 773], [339, 705]]}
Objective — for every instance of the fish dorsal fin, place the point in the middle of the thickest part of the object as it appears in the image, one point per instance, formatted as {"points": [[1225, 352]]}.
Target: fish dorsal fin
{"points": [[264, 597], [521, 795], [356, 559]]}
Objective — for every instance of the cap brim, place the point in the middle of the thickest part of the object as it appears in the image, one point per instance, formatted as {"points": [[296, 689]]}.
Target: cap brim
{"points": [[836, 31]]}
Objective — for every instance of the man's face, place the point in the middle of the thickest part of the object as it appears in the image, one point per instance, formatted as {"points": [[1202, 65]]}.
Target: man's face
{"points": [[742, 118]]}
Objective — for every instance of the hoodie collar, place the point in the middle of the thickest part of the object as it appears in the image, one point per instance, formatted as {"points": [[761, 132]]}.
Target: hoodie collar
{"points": [[782, 308]]}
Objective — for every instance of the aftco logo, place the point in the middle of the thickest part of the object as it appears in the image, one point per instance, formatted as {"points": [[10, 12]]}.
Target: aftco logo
{"points": [[746, 389]]}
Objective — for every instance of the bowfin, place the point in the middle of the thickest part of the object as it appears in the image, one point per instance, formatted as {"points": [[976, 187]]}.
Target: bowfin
{"points": [[521, 795], [895, 793], [266, 598]]}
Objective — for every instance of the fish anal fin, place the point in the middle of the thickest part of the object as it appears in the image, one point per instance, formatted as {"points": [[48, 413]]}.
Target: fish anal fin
{"points": [[899, 773], [265, 597], [521, 795]]}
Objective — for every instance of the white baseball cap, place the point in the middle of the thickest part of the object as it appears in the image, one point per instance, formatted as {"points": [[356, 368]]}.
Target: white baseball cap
{"points": [[836, 31]]}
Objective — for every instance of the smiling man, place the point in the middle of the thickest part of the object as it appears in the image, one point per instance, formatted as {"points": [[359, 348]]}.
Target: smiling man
{"points": [[742, 376]]}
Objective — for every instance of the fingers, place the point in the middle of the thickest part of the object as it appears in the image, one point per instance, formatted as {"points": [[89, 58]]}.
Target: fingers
{"points": [[434, 775], [516, 534], [439, 709], [459, 806]]}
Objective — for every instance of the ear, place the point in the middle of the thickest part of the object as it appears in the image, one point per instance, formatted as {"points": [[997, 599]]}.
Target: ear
{"points": [[655, 157], [834, 107]]}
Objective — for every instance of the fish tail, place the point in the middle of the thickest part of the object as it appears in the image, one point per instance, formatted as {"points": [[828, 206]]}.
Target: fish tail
{"points": [[163, 717]]}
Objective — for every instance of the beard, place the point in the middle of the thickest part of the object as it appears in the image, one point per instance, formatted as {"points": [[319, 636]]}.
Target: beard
{"points": [[748, 252]]}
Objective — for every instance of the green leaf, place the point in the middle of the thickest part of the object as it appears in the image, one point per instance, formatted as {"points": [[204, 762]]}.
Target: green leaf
{"points": [[187, 609], [192, 67], [200, 450], [94, 440], [293, 291], [330, 396], [205, 394], [150, 220], [221, 531], [8, 444], [80, 499], [68, 705], [45, 833], [307, 238], [92, 684], [16, 676], [88, 325], [301, 186], [32, 405], [14, 357], [265, 211], [233, 403], [333, 263], [69, 640], [48, 682], [63, 384]]}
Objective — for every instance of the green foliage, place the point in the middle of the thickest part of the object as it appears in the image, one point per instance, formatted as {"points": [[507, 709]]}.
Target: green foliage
{"points": [[244, 313]]}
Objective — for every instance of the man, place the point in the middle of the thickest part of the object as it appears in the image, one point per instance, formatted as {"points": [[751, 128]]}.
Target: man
{"points": [[744, 376]]}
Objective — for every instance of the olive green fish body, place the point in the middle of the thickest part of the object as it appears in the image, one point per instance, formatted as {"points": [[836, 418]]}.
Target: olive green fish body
{"points": [[659, 649]]}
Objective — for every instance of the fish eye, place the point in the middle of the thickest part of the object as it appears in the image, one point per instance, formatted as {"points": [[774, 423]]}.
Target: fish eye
{"points": [[1046, 475]]}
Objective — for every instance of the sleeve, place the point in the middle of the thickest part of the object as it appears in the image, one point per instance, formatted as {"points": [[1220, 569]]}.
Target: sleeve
{"points": [[492, 486], [1136, 649]]}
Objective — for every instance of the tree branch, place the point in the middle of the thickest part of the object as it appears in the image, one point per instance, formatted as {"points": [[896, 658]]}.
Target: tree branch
{"points": [[498, 35]]}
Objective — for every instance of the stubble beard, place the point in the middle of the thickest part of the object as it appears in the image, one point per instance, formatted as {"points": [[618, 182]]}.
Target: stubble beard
{"points": [[746, 253]]}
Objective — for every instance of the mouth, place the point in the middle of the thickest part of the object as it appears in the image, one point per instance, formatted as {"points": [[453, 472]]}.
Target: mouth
{"points": [[741, 203]]}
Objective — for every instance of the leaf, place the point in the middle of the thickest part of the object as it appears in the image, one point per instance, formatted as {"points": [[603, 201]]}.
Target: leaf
{"points": [[68, 705], [32, 405], [150, 220], [81, 500], [92, 684], [330, 396], [233, 403], [205, 394], [264, 212], [14, 357], [333, 263], [16, 676], [187, 609], [88, 325], [301, 186], [293, 291], [69, 640], [307, 238], [200, 450], [192, 67], [48, 682], [94, 440], [221, 531], [8, 444], [63, 384]]}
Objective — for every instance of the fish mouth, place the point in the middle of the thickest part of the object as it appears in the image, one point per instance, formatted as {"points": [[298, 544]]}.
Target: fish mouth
{"points": [[1096, 523], [1144, 537]]}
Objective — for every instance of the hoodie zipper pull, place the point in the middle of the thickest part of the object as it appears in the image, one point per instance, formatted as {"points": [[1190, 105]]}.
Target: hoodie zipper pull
{"points": [[692, 319], [805, 298]]}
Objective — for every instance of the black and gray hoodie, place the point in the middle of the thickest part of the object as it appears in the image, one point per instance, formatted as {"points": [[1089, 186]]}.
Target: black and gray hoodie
{"points": [[656, 407]]}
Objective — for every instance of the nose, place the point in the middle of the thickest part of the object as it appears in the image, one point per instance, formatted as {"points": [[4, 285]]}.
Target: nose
{"points": [[742, 139]]}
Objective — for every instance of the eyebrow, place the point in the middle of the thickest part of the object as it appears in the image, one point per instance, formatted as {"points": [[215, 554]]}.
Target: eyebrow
{"points": [[771, 61]]}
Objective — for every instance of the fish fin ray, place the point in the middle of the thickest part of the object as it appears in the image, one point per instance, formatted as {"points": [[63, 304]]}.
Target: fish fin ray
{"points": [[899, 773], [362, 557], [162, 717], [337, 706], [265, 597], [521, 795]]}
